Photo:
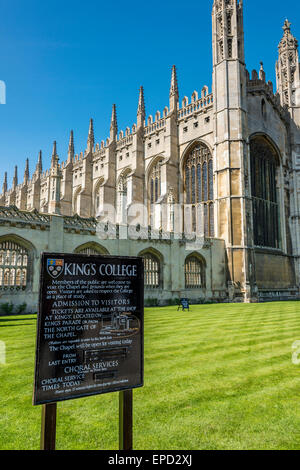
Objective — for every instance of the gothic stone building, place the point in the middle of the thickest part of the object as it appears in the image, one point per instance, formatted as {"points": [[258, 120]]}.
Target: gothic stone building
{"points": [[208, 191]]}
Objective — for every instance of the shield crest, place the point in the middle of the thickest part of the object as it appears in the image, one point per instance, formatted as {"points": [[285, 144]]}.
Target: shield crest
{"points": [[55, 267]]}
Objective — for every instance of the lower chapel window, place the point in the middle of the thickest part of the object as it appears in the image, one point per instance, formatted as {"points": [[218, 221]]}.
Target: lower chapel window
{"points": [[13, 265], [151, 271], [90, 250], [264, 193], [199, 194], [194, 273]]}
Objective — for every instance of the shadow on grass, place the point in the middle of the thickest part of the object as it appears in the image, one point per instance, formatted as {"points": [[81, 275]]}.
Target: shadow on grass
{"points": [[16, 319], [20, 324]]}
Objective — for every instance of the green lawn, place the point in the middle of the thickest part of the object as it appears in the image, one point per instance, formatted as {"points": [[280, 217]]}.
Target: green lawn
{"points": [[217, 377]]}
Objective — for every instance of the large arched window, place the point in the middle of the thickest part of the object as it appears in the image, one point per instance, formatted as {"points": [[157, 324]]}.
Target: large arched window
{"points": [[194, 270], [98, 197], [199, 194], [14, 265], [154, 185], [155, 182], [152, 271], [264, 164], [76, 201], [122, 198]]}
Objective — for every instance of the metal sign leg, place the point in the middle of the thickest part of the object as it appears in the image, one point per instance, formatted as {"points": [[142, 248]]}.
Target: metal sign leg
{"points": [[48, 434], [125, 420]]}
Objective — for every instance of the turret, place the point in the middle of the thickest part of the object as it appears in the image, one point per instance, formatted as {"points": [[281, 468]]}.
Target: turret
{"points": [[228, 34], [287, 71], [230, 128]]}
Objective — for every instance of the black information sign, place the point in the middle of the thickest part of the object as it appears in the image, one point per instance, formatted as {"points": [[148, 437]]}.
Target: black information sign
{"points": [[184, 304], [90, 326]]}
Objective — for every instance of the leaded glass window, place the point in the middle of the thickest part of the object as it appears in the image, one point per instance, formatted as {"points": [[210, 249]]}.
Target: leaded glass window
{"points": [[205, 182], [194, 273], [264, 163], [13, 265], [154, 187], [198, 181], [122, 198], [151, 271], [155, 182], [91, 250]]}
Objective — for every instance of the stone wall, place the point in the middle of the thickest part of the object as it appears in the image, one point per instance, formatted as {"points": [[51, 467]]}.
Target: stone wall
{"points": [[68, 235]]}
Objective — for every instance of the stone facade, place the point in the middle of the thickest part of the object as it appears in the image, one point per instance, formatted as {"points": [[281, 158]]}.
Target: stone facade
{"points": [[223, 166]]}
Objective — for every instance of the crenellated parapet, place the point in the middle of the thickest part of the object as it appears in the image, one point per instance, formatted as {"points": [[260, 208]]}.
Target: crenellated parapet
{"points": [[257, 84], [197, 105]]}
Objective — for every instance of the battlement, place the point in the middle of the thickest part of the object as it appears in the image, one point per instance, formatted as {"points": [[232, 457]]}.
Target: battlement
{"points": [[197, 104], [257, 84]]}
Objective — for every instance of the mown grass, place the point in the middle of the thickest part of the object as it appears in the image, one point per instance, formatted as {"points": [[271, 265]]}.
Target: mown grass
{"points": [[217, 377]]}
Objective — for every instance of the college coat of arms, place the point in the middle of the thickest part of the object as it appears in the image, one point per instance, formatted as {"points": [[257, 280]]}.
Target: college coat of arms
{"points": [[55, 267]]}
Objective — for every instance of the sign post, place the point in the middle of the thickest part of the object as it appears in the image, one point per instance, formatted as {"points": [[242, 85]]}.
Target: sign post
{"points": [[48, 432], [125, 420], [90, 334]]}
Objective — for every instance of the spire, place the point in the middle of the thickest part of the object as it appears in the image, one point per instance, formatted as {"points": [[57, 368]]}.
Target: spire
{"points": [[54, 159], [15, 178], [113, 124], [141, 111], [71, 151], [262, 73], [141, 107], [91, 138], [288, 41], [287, 27], [26, 172], [287, 67], [174, 94], [174, 83], [39, 165], [4, 188]]}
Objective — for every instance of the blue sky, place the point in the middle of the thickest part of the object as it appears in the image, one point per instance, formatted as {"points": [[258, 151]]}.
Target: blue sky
{"points": [[64, 62]]}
